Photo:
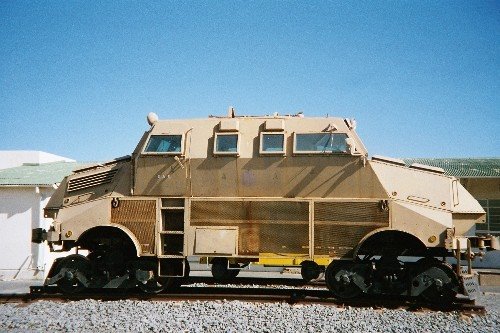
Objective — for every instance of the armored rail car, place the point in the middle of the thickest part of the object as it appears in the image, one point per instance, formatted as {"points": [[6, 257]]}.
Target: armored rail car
{"points": [[275, 190]]}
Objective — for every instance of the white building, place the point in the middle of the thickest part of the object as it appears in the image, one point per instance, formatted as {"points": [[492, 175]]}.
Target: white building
{"points": [[15, 158], [27, 180]]}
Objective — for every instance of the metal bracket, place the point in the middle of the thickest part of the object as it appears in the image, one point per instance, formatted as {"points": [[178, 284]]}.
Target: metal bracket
{"points": [[116, 282]]}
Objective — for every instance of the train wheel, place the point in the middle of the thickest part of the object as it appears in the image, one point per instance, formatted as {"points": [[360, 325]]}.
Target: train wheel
{"points": [[77, 271], [153, 286], [345, 279], [147, 276], [438, 281], [220, 270], [234, 271], [310, 270]]}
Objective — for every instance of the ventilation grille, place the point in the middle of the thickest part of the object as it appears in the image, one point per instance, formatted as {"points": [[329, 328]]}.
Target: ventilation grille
{"points": [[101, 178], [264, 226], [364, 212], [338, 240], [282, 227], [339, 226], [139, 216]]}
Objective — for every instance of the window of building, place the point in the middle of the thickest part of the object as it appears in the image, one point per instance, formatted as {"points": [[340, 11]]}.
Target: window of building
{"points": [[226, 144], [272, 143], [320, 143], [492, 225], [164, 144]]}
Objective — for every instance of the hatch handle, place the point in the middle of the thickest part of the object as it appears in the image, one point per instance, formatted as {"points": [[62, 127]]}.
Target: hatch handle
{"points": [[454, 188]]}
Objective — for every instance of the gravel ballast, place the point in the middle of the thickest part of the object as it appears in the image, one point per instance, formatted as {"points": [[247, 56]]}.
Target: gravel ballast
{"points": [[235, 316]]}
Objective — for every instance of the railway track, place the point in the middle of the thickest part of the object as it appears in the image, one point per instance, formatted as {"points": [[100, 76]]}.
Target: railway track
{"points": [[247, 294], [208, 280]]}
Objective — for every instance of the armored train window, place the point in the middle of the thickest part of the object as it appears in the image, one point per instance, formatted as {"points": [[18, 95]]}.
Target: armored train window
{"points": [[320, 143], [164, 144], [226, 144], [272, 143]]}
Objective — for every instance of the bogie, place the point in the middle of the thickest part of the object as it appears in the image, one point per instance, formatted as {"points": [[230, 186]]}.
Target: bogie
{"points": [[429, 278], [73, 274], [435, 281]]}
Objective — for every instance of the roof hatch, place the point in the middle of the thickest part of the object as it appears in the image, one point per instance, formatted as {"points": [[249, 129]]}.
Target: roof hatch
{"points": [[426, 168], [390, 160]]}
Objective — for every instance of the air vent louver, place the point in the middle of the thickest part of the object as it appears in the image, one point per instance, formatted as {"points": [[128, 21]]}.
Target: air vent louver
{"points": [[91, 180]]}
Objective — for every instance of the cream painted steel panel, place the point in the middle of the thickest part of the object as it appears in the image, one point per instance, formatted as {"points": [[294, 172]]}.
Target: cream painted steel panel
{"points": [[214, 241], [466, 202], [411, 185], [465, 224], [426, 188], [77, 219], [230, 124], [263, 176], [275, 125], [421, 221]]}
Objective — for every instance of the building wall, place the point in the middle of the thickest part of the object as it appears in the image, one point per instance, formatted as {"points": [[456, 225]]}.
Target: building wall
{"points": [[487, 192], [21, 209], [482, 188]]}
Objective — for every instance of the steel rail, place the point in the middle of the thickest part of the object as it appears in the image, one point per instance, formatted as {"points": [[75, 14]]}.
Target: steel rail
{"points": [[209, 280], [256, 295]]}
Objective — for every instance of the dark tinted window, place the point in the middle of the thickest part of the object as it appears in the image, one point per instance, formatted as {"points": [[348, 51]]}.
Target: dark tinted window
{"points": [[164, 144], [321, 142], [273, 142], [227, 143]]}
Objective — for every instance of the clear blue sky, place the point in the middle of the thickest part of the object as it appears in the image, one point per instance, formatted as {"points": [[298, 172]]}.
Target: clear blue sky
{"points": [[422, 79]]}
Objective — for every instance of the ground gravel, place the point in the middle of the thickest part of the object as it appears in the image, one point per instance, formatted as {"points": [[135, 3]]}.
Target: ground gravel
{"points": [[234, 316], [253, 286]]}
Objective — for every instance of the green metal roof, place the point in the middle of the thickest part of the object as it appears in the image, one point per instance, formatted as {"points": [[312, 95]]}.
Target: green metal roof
{"points": [[462, 167], [44, 174]]}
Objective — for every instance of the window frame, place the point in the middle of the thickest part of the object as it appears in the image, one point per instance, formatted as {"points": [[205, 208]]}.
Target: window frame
{"points": [[491, 217], [314, 152], [227, 153], [261, 144], [174, 153]]}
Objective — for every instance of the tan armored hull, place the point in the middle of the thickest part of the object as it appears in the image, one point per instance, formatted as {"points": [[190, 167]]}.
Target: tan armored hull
{"points": [[273, 190]]}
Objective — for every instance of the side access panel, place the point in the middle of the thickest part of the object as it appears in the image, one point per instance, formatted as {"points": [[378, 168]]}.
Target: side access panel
{"points": [[211, 241]]}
